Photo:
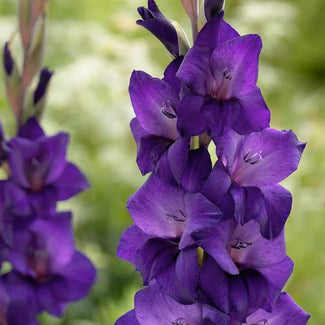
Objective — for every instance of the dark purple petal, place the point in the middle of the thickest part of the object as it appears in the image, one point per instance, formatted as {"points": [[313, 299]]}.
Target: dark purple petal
{"points": [[154, 103], [128, 319], [195, 70], [163, 309], [53, 154], [276, 275], [187, 273], [156, 23], [75, 279], [244, 115], [149, 148], [216, 189], [212, 8], [131, 241], [285, 312], [197, 170], [70, 182], [191, 120], [215, 32], [156, 257], [178, 155], [158, 209], [214, 241], [44, 79], [278, 203], [234, 65], [31, 130], [170, 74], [8, 61], [201, 214]]}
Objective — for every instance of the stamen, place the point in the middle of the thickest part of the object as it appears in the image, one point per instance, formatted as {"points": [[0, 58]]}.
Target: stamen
{"points": [[239, 243], [252, 159], [227, 74], [261, 322], [177, 218], [179, 321], [168, 110]]}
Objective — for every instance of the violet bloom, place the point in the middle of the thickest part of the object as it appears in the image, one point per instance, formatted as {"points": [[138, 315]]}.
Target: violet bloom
{"points": [[248, 270], [152, 306], [285, 312], [221, 70], [248, 172], [154, 21], [160, 243], [38, 165], [155, 103], [44, 256]]}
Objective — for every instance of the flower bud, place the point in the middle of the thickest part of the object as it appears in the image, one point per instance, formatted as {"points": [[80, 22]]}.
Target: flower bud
{"points": [[191, 7], [12, 79], [210, 9], [183, 42], [34, 56]]}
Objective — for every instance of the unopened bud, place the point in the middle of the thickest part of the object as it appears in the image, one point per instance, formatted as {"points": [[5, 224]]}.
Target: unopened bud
{"points": [[8, 61], [191, 7], [210, 9], [34, 57], [12, 79], [40, 91]]}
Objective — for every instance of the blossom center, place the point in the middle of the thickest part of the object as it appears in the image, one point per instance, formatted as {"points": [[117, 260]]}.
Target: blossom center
{"points": [[168, 110], [35, 174], [221, 91], [180, 217]]}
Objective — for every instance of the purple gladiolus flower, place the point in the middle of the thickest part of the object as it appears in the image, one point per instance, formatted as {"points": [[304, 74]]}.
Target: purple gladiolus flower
{"points": [[222, 69], [285, 312], [38, 165], [155, 103], [248, 172], [160, 26], [166, 311], [43, 255]]}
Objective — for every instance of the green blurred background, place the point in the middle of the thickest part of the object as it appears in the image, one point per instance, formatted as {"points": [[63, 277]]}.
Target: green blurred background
{"points": [[93, 46]]}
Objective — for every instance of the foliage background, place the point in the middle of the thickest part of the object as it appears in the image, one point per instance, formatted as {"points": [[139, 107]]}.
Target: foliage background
{"points": [[93, 46]]}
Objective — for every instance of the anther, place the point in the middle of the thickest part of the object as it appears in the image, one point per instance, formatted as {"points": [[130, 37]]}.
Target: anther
{"points": [[167, 109], [239, 243]]}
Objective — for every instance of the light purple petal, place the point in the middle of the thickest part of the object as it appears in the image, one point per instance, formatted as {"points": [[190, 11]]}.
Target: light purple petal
{"points": [[128, 319], [155, 104], [285, 312], [215, 32], [178, 155], [195, 70], [163, 309], [234, 65], [261, 158], [158, 209], [31, 130], [70, 182], [131, 241]]}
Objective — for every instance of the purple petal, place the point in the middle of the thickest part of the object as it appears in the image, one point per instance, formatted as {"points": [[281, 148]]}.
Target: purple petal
{"points": [[201, 214], [53, 154], [191, 120], [214, 241], [131, 241], [170, 74], [163, 309], [70, 182], [178, 155], [278, 203], [149, 148], [154, 103], [234, 65], [195, 70], [75, 279], [215, 32], [31, 130], [197, 170], [158, 209], [285, 312], [212, 8], [261, 158], [128, 319]]}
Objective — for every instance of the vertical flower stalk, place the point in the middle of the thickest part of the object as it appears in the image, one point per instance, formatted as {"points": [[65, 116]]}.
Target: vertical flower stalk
{"points": [[47, 272], [208, 240]]}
